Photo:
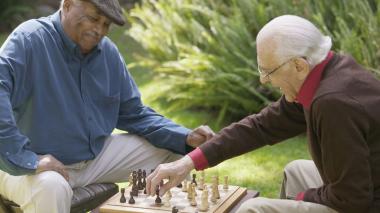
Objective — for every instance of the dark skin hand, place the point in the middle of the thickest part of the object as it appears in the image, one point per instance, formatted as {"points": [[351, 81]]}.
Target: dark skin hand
{"points": [[50, 163]]}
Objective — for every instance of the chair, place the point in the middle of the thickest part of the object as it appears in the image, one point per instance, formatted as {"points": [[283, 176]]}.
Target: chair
{"points": [[84, 198]]}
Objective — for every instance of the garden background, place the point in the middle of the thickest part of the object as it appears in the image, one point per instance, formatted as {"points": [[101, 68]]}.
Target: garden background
{"points": [[195, 62]]}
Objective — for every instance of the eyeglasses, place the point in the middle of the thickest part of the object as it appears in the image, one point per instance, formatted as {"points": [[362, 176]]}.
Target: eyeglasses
{"points": [[267, 74]]}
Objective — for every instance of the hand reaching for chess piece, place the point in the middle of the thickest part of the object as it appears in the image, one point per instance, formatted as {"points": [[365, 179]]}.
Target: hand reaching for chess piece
{"points": [[175, 172]]}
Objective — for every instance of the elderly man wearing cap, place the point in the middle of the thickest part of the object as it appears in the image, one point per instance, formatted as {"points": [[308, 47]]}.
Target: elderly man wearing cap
{"points": [[64, 87], [327, 95]]}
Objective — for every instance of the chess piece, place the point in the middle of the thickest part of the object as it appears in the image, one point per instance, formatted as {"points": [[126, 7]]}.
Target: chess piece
{"points": [[131, 200], [122, 198], [193, 189], [158, 199], [225, 186], [193, 202], [169, 193], [203, 207], [189, 191], [130, 179], [139, 180], [167, 200], [203, 174], [144, 179], [174, 209], [179, 185], [184, 188], [213, 192], [194, 179], [217, 195], [201, 183]]}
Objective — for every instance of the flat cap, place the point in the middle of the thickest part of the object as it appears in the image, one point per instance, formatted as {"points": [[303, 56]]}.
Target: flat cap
{"points": [[111, 9]]}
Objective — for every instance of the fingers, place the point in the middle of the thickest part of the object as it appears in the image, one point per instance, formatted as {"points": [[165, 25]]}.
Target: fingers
{"points": [[149, 181], [205, 131]]}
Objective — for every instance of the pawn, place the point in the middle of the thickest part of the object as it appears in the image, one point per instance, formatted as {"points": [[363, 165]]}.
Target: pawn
{"points": [[158, 199], [225, 186], [131, 200], [179, 185], [122, 198], [174, 209], [193, 202], [167, 200]]}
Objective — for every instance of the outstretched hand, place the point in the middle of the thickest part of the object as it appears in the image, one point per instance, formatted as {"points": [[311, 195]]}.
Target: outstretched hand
{"points": [[174, 172], [50, 163], [199, 135]]}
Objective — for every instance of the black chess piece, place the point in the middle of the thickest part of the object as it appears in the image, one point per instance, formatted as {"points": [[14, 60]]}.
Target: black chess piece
{"points": [[174, 209], [179, 185], [194, 179], [122, 198], [158, 199], [139, 180], [131, 200]]}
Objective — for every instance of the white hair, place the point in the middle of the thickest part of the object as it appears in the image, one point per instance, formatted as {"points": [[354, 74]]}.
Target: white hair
{"points": [[294, 36]]}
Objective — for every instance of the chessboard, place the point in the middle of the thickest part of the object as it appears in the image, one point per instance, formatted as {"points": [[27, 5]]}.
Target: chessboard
{"points": [[146, 204]]}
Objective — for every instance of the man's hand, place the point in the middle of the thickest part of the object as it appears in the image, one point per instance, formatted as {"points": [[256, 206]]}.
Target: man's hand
{"points": [[175, 172], [49, 163], [199, 135]]}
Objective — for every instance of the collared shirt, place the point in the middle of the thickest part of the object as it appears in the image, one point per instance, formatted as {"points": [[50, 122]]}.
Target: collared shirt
{"points": [[304, 97], [54, 100], [311, 83]]}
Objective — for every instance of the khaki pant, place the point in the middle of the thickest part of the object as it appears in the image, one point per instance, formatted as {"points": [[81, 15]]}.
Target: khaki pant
{"points": [[49, 192], [299, 175]]}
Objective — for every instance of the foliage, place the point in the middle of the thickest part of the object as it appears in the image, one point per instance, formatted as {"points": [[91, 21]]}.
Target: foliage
{"points": [[204, 51], [13, 12]]}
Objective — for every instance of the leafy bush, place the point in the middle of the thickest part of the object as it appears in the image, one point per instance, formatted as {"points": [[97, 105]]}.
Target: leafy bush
{"points": [[204, 50], [13, 12]]}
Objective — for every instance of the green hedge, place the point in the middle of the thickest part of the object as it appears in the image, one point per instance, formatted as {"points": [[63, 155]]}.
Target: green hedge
{"points": [[203, 51]]}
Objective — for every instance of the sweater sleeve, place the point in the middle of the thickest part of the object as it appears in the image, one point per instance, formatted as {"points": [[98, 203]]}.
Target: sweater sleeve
{"points": [[342, 125], [278, 121]]}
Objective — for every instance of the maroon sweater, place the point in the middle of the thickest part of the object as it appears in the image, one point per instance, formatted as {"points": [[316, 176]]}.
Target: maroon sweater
{"points": [[343, 128]]}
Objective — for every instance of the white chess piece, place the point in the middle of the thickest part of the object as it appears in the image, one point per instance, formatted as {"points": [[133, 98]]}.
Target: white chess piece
{"points": [[217, 194], [169, 193], [193, 202], [225, 186], [167, 200], [201, 183], [189, 191], [184, 186], [203, 207]]}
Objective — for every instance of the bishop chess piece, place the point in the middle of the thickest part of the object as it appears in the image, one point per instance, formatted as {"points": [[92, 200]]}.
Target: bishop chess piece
{"points": [[131, 200], [122, 198], [158, 199], [194, 179]]}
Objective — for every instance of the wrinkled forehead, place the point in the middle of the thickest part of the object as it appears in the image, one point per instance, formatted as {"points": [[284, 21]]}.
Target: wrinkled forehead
{"points": [[266, 52]]}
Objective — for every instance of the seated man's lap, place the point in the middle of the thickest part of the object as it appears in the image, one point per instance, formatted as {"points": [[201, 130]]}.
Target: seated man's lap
{"points": [[121, 154]]}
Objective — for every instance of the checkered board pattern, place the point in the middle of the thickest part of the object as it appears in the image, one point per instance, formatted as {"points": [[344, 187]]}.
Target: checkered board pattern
{"points": [[146, 204]]}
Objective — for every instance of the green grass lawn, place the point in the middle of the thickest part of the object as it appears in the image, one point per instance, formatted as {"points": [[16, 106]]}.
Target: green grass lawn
{"points": [[260, 169]]}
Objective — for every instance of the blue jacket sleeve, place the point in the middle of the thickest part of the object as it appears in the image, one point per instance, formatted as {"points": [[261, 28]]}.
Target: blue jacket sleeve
{"points": [[138, 119], [15, 159]]}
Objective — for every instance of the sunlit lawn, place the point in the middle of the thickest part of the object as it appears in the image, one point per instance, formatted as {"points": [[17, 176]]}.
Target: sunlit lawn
{"points": [[260, 169]]}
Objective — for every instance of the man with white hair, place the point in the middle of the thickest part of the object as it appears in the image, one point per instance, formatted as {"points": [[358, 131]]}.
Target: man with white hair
{"points": [[64, 87], [328, 96]]}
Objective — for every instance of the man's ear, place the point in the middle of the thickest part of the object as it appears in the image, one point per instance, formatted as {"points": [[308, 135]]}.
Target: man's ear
{"points": [[67, 5], [302, 64]]}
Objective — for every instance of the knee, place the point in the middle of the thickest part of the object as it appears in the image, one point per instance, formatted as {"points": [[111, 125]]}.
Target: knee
{"points": [[52, 184], [254, 205], [295, 166]]}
